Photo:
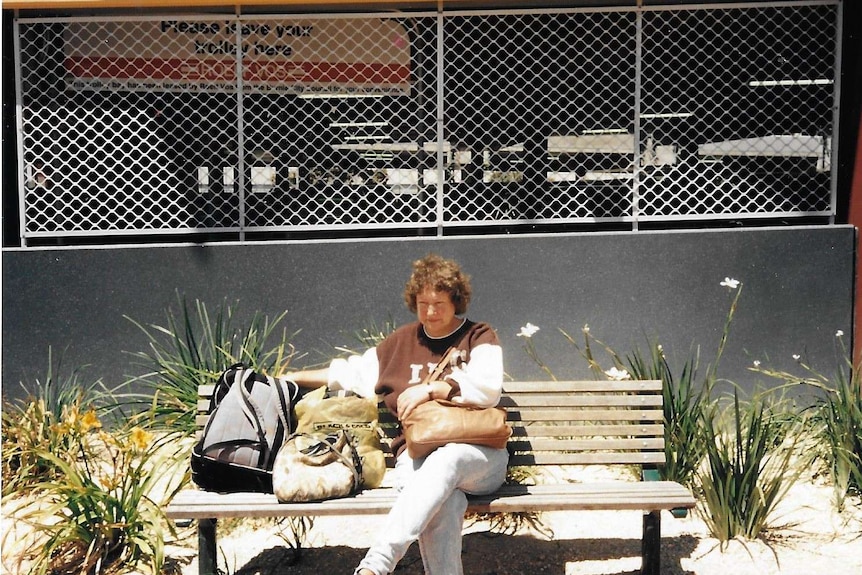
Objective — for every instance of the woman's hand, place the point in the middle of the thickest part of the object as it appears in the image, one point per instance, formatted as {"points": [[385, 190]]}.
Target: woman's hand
{"points": [[413, 397]]}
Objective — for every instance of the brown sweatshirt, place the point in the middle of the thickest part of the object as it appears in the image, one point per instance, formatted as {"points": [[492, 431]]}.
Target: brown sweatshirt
{"points": [[405, 357]]}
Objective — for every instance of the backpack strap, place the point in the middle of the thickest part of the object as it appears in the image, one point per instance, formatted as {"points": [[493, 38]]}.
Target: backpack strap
{"points": [[224, 383], [254, 414], [286, 392], [226, 380]]}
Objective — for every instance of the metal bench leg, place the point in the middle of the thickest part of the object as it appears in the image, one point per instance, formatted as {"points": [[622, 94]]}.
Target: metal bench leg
{"points": [[651, 544], [207, 547]]}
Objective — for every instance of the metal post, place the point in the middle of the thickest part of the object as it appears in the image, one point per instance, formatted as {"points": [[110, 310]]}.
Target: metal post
{"points": [[651, 544], [207, 547], [19, 129], [240, 127], [441, 167], [636, 148]]}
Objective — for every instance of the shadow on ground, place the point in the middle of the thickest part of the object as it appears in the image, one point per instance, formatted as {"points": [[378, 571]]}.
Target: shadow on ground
{"points": [[483, 555]]}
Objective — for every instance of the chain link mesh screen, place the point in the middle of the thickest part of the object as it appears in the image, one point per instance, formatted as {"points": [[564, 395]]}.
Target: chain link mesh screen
{"points": [[745, 99], [146, 125]]}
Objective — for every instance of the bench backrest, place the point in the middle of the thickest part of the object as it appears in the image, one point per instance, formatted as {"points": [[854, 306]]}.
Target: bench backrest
{"points": [[567, 422]]}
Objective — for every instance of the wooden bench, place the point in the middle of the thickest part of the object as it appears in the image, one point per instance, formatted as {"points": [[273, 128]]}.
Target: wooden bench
{"points": [[555, 423]]}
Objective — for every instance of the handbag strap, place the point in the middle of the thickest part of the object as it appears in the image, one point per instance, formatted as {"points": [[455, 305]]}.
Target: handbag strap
{"points": [[441, 365], [328, 443]]}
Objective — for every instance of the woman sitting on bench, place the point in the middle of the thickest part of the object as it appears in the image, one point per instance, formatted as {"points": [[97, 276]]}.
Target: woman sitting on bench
{"points": [[432, 496]]}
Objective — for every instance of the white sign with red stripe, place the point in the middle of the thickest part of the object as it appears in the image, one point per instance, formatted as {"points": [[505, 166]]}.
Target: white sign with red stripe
{"points": [[304, 57]]}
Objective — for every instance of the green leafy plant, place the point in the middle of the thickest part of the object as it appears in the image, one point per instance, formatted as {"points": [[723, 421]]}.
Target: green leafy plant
{"points": [[373, 334], [740, 460], [836, 418], [751, 463], [685, 397], [51, 419], [366, 337], [194, 347], [103, 511], [840, 417]]}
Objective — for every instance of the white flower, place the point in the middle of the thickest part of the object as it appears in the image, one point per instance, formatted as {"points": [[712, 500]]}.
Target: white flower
{"points": [[796, 356], [839, 333], [756, 363], [528, 330], [730, 283], [586, 328], [617, 374]]}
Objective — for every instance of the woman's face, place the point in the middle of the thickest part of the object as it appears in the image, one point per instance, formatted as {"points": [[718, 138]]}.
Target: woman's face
{"points": [[436, 312]]}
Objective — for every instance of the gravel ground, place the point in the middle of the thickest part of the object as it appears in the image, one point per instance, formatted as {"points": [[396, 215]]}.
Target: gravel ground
{"points": [[808, 537]]}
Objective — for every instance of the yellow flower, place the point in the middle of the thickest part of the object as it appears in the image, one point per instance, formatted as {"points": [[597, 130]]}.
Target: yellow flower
{"points": [[90, 421], [141, 438], [70, 415]]}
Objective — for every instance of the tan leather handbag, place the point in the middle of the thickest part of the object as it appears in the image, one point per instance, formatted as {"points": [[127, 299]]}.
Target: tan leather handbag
{"points": [[438, 422]]}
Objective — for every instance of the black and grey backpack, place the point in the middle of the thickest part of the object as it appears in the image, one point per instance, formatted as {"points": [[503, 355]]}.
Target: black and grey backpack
{"points": [[250, 415]]}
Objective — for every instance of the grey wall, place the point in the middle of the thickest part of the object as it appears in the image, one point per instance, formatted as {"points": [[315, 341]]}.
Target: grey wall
{"points": [[797, 293]]}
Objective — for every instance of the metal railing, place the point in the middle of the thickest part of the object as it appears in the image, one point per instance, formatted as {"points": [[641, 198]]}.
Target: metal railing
{"points": [[133, 126]]}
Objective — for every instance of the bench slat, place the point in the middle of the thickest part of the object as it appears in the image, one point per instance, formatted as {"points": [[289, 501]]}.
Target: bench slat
{"points": [[611, 458], [618, 495], [565, 445], [645, 430], [513, 387], [513, 401], [527, 414]]}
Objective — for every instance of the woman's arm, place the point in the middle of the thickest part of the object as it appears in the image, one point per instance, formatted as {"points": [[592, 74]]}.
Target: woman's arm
{"points": [[356, 373], [479, 382], [309, 378]]}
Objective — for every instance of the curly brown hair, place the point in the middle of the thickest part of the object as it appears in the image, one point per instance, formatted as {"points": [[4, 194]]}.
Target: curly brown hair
{"points": [[442, 275]]}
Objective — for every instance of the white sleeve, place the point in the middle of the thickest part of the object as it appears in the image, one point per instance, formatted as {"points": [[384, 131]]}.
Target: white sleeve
{"points": [[481, 379], [357, 373]]}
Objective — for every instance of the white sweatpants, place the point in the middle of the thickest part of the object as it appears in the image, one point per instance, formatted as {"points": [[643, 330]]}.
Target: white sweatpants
{"points": [[431, 504]]}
